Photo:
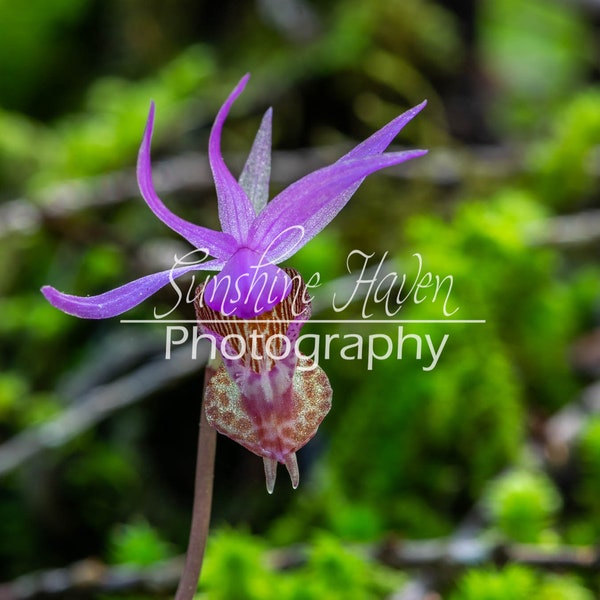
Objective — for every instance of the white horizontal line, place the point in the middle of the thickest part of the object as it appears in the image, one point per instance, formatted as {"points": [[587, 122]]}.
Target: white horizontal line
{"points": [[320, 321]]}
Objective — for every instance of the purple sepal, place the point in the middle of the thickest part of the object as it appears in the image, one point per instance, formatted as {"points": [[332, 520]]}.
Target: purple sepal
{"points": [[121, 299], [235, 210], [256, 173], [218, 244], [312, 202]]}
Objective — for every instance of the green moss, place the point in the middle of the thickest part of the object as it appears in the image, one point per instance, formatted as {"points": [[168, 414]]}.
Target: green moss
{"points": [[137, 543], [518, 583], [237, 567], [523, 505]]}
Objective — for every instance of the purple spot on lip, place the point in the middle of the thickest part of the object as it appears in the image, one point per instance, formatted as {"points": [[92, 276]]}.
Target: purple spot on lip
{"points": [[247, 286]]}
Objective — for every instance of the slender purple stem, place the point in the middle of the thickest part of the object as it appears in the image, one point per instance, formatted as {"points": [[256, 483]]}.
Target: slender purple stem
{"points": [[203, 489]]}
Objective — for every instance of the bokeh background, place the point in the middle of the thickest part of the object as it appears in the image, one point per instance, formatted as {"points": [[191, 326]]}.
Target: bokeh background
{"points": [[477, 480]]}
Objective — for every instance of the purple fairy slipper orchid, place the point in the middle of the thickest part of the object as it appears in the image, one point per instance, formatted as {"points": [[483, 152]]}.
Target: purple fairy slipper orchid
{"points": [[255, 235], [258, 397], [265, 396]]}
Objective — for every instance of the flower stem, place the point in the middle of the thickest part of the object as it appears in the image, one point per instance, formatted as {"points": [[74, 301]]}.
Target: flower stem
{"points": [[203, 488]]}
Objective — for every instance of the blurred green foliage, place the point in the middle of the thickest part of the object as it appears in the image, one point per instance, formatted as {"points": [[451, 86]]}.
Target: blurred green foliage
{"points": [[585, 524], [405, 451], [236, 567], [563, 162], [518, 583], [106, 133], [523, 505], [537, 52], [29, 30], [138, 544], [466, 416]]}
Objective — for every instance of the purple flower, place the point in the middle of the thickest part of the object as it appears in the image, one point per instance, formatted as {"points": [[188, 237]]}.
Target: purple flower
{"points": [[255, 235], [262, 394]]}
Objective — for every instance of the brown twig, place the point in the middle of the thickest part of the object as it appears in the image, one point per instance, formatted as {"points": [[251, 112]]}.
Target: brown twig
{"points": [[86, 579]]}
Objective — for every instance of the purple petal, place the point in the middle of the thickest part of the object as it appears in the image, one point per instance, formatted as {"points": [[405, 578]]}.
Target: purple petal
{"points": [[235, 210], [247, 286], [381, 139], [123, 298], [287, 241], [257, 170], [376, 144], [312, 202], [218, 244]]}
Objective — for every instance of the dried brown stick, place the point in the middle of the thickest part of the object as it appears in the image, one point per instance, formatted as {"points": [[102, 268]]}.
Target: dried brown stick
{"points": [[88, 578]]}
